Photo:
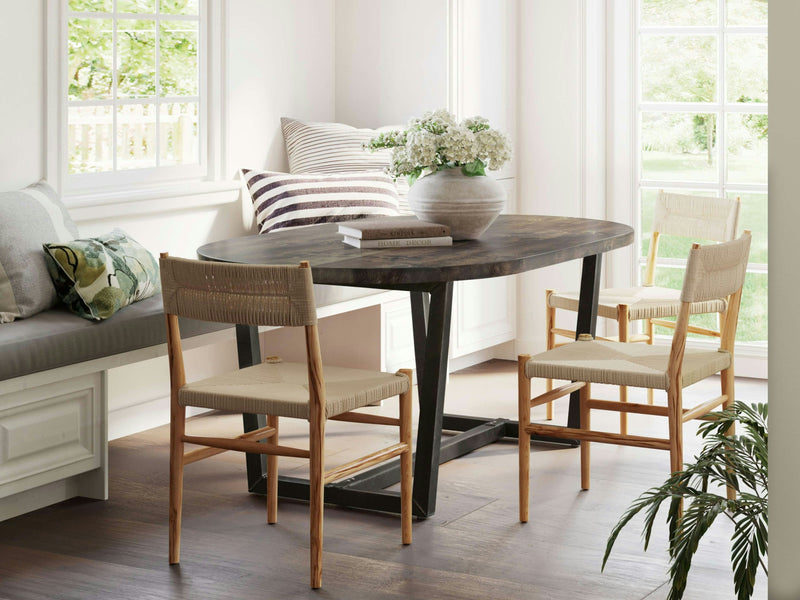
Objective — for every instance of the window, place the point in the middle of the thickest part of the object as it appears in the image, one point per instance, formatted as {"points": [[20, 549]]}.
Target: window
{"points": [[131, 92], [702, 127]]}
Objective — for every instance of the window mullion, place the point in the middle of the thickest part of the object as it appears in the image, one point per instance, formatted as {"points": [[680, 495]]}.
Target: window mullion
{"points": [[158, 84], [722, 96], [114, 81]]}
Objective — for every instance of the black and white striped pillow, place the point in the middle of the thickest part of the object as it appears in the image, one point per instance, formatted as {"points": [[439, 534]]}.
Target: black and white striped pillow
{"points": [[336, 148], [283, 200]]}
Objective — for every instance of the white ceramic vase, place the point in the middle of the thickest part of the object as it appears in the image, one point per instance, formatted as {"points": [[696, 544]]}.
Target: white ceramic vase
{"points": [[468, 205]]}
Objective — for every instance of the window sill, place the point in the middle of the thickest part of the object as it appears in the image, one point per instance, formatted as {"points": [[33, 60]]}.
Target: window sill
{"points": [[182, 196]]}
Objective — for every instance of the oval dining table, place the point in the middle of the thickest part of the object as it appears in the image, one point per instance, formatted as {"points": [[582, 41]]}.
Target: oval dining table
{"points": [[513, 244]]}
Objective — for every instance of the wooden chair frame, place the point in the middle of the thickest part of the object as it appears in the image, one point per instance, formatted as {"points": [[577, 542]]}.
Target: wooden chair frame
{"points": [[624, 324], [265, 441], [676, 414]]}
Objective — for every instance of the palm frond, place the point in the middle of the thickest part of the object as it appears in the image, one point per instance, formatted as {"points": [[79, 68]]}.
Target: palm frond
{"points": [[738, 461]]}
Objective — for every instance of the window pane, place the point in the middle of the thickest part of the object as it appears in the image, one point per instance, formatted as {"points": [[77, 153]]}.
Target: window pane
{"points": [[91, 5], [89, 59], [747, 148], [679, 12], [668, 246], [90, 139], [679, 147], [136, 6], [753, 216], [746, 68], [753, 312], [179, 74], [679, 68], [180, 7], [179, 134], [747, 12], [136, 56], [136, 136]]}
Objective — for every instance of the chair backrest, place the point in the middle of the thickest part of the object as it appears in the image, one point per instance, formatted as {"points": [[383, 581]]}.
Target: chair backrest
{"points": [[712, 271], [279, 295], [699, 217], [716, 270]]}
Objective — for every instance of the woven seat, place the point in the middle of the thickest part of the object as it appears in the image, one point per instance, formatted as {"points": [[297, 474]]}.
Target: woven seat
{"points": [[712, 271], [681, 215], [633, 365], [646, 302], [281, 389], [276, 296]]}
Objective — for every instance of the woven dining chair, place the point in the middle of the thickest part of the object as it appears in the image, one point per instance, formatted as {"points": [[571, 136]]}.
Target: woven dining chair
{"points": [[272, 296], [712, 271], [680, 215]]}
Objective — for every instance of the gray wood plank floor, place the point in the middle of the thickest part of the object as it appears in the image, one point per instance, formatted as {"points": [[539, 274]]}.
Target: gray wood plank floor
{"points": [[472, 548]]}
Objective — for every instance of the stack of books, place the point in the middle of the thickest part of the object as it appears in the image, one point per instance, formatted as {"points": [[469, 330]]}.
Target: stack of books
{"points": [[394, 232]]}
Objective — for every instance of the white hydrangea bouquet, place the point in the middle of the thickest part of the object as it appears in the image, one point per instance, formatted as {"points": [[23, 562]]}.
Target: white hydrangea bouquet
{"points": [[437, 141]]}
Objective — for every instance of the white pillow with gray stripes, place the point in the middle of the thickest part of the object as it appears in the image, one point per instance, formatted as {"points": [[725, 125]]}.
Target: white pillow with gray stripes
{"points": [[336, 148], [28, 219], [284, 200]]}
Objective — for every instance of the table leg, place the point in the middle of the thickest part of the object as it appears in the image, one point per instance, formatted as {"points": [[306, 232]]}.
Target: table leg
{"points": [[250, 354], [431, 324], [587, 318]]}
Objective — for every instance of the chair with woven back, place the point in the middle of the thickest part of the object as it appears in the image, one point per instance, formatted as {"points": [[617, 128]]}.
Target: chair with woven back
{"points": [[712, 271], [679, 215], [263, 295]]}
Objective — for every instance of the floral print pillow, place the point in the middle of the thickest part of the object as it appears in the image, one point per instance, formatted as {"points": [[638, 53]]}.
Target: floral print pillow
{"points": [[96, 277]]}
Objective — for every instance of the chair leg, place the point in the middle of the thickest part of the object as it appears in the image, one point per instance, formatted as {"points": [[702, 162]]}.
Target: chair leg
{"points": [[551, 342], [624, 335], [648, 325], [316, 495], [405, 460], [177, 430], [585, 394], [675, 414], [272, 476], [524, 438], [726, 382]]}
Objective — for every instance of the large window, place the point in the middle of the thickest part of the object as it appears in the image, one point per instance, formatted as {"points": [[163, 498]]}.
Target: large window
{"points": [[131, 91], [702, 127]]}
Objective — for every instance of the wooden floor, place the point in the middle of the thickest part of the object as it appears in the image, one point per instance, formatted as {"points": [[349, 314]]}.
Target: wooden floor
{"points": [[472, 548]]}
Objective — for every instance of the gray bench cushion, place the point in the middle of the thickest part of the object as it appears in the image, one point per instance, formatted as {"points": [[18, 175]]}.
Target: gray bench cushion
{"points": [[56, 337]]}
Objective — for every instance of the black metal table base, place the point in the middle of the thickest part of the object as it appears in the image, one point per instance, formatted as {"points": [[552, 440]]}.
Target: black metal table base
{"points": [[431, 306], [367, 491]]}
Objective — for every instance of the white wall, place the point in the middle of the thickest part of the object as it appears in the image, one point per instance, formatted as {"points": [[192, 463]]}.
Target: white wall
{"points": [[280, 64], [784, 215], [391, 60], [549, 150], [21, 93]]}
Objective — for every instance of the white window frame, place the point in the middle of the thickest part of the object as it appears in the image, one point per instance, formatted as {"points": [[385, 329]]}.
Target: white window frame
{"points": [[109, 188], [624, 156]]}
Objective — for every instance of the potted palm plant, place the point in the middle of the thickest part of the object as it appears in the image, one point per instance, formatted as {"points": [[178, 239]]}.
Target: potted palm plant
{"points": [[738, 461]]}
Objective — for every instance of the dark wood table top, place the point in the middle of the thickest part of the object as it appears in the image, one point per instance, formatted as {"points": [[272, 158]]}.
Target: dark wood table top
{"points": [[513, 244]]}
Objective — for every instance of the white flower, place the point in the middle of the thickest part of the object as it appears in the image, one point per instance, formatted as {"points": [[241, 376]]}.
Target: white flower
{"points": [[437, 141], [494, 148]]}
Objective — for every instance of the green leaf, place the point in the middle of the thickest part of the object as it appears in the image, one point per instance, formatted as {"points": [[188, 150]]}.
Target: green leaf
{"points": [[474, 169]]}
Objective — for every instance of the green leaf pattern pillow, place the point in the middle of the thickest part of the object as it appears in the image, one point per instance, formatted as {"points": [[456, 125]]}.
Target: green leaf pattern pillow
{"points": [[95, 277]]}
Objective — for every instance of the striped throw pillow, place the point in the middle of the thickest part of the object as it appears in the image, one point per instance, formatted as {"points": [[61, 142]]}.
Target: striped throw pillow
{"points": [[283, 200], [336, 148], [330, 148]]}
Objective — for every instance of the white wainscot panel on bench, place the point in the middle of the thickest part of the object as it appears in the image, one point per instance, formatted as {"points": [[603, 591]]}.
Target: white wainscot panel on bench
{"points": [[52, 436]]}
